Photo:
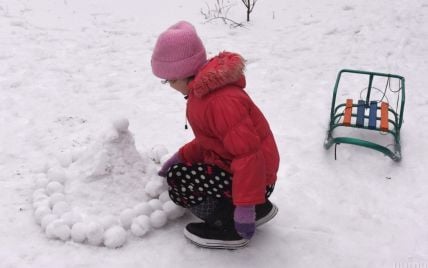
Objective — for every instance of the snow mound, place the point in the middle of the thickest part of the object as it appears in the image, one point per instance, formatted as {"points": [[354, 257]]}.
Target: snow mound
{"points": [[106, 194]]}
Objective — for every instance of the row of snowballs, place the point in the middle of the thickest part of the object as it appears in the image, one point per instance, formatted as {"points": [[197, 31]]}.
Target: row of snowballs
{"points": [[59, 221]]}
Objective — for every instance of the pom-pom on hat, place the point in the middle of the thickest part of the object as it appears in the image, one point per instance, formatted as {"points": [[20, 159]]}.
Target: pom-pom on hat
{"points": [[179, 52]]}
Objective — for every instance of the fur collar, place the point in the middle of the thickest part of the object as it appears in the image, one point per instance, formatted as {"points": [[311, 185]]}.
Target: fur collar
{"points": [[226, 68]]}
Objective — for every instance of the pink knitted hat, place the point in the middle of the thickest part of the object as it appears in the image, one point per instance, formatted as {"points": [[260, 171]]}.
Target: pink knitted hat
{"points": [[179, 52]]}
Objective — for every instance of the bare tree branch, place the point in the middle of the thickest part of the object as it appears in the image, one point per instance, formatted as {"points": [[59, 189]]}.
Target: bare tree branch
{"points": [[249, 4], [220, 11], [234, 24], [254, 4]]}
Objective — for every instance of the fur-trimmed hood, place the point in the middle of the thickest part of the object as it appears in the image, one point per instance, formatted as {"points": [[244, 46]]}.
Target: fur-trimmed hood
{"points": [[224, 69]]}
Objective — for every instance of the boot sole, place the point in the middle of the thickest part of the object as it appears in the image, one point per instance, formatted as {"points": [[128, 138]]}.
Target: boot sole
{"points": [[272, 213], [215, 244]]}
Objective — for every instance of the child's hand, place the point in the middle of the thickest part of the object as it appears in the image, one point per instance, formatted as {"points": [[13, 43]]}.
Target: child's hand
{"points": [[245, 221], [175, 159]]}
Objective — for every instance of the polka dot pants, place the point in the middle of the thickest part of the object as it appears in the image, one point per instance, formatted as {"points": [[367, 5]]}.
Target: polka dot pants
{"points": [[190, 186]]}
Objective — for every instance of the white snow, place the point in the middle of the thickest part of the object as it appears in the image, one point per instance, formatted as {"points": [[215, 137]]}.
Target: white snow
{"points": [[71, 69]]}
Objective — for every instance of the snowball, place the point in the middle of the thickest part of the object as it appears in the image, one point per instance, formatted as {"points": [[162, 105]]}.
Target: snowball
{"points": [[154, 188], [126, 217], [54, 187], [155, 204], [58, 229], [142, 209], [141, 225], [121, 124], [40, 197], [60, 208], [151, 169], [115, 237], [78, 232], [158, 219], [63, 231], [172, 210], [109, 221], [71, 217], [143, 196], [40, 212], [41, 180], [41, 203], [55, 198], [95, 233], [49, 230], [39, 192], [164, 197], [139, 230], [57, 174], [47, 219], [157, 152]]}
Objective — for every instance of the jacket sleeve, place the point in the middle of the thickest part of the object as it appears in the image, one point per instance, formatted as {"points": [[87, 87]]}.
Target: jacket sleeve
{"points": [[230, 121], [191, 152]]}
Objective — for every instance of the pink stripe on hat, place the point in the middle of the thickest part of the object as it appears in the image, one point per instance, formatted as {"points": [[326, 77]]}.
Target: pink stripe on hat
{"points": [[179, 52]]}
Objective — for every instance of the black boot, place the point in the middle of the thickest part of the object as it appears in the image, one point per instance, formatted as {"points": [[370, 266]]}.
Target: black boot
{"points": [[265, 212], [205, 235], [218, 230]]}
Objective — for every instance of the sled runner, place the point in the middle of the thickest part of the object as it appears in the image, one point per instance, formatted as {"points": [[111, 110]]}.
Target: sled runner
{"points": [[373, 112]]}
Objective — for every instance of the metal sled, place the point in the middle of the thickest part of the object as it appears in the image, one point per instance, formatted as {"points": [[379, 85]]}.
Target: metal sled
{"points": [[369, 114]]}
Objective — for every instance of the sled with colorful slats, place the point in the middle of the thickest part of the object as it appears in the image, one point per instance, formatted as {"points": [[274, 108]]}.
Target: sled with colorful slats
{"points": [[368, 113]]}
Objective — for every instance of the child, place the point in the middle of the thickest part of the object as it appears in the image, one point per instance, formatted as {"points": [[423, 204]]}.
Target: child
{"points": [[227, 172]]}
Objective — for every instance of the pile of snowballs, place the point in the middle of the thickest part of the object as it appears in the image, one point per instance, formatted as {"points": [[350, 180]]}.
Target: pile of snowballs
{"points": [[60, 221]]}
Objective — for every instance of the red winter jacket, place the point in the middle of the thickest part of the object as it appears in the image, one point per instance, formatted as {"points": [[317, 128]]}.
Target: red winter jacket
{"points": [[230, 131]]}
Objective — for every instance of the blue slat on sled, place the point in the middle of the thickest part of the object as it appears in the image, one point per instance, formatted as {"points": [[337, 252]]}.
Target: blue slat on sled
{"points": [[360, 113], [373, 114]]}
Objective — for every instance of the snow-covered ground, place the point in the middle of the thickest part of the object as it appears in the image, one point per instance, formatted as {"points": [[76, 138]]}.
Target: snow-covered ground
{"points": [[69, 68]]}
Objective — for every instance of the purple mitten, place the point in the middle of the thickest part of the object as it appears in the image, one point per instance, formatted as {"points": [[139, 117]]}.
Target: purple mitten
{"points": [[175, 159], [245, 221]]}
